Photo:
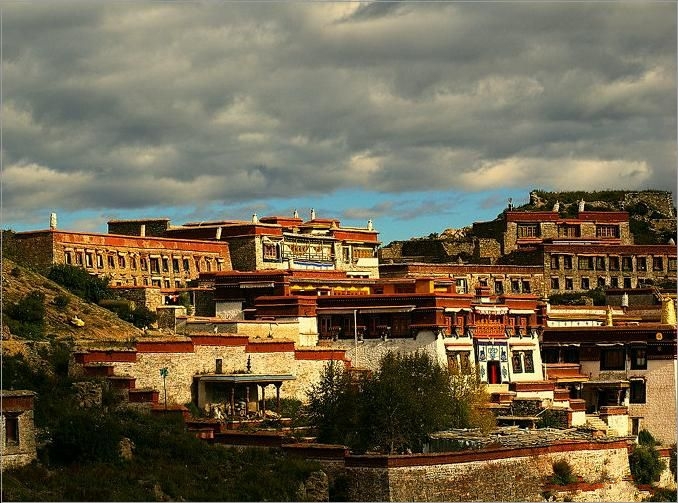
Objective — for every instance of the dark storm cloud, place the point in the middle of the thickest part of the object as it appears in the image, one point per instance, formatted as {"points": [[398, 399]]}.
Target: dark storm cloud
{"points": [[114, 105]]}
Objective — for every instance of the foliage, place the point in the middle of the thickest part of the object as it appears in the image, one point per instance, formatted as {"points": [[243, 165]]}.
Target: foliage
{"points": [[469, 394], [562, 473], [397, 407], [646, 466], [79, 282], [553, 418], [672, 461], [662, 494], [140, 316], [61, 301], [26, 318], [645, 438], [289, 408]]}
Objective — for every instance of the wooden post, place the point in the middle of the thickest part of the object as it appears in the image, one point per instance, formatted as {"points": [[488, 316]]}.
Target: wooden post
{"points": [[233, 400], [277, 397], [263, 399]]}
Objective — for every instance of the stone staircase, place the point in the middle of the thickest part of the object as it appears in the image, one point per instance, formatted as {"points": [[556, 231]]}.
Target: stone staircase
{"points": [[594, 422]]}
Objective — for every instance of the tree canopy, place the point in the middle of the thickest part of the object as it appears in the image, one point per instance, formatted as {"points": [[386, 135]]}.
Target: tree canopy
{"points": [[396, 408]]}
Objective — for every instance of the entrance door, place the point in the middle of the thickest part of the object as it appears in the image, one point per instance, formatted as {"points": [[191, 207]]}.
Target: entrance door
{"points": [[493, 372]]}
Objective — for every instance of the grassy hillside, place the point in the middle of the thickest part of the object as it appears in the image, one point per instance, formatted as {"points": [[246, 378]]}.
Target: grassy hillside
{"points": [[101, 325]]}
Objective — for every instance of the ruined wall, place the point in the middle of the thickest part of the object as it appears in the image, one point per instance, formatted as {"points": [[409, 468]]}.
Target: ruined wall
{"points": [[38, 251], [494, 475], [487, 248]]}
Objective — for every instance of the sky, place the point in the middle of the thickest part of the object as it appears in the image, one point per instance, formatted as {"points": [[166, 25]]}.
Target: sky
{"points": [[420, 116]]}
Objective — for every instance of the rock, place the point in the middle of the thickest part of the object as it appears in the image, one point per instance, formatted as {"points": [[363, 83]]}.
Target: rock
{"points": [[126, 449], [317, 487]]}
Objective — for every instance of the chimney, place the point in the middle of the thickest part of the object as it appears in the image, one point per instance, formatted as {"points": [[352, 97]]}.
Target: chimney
{"points": [[369, 225], [295, 214], [255, 218], [218, 236], [312, 214], [142, 230], [52, 221]]}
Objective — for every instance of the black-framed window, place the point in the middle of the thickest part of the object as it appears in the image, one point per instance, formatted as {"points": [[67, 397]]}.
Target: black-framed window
{"points": [[555, 263], [549, 354], [613, 359], [614, 263], [637, 389], [498, 287], [614, 282], [11, 429], [555, 284], [627, 282], [641, 263], [571, 354], [638, 358], [585, 283], [568, 284], [567, 261]]}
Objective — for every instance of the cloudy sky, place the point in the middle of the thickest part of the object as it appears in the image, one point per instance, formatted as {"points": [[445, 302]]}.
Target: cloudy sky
{"points": [[419, 116]]}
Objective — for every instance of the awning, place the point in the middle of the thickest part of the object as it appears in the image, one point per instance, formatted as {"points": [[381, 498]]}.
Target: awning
{"points": [[521, 311], [607, 345], [457, 309]]}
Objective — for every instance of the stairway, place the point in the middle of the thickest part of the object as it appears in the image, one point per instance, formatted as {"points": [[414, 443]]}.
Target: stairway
{"points": [[594, 422]]}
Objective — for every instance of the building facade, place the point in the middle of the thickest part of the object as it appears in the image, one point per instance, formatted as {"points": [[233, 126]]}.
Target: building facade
{"points": [[17, 429]]}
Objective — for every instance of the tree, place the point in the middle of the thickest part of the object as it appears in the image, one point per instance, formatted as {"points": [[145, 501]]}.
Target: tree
{"points": [[26, 318], [81, 283], [395, 409]]}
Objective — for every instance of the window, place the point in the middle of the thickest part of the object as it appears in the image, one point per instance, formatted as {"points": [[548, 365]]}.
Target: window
{"points": [[156, 282], [155, 265], [571, 354], [133, 263], [208, 265], [567, 262], [601, 282], [459, 362], [528, 230], [522, 361], [346, 253], [175, 265], [78, 258], [111, 262], [585, 263], [614, 282], [460, 285], [121, 261], [529, 361], [568, 231], [585, 284], [568, 284], [627, 264], [11, 429], [271, 251], [612, 359], [607, 231], [638, 358], [100, 261], [88, 260], [526, 286], [167, 283], [186, 265], [515, 286], [641, 263], [600, 263], [672, 263], [555, 284], [516, 363], [614, 263], [165, 264], [627, 282], [144, 264], [68, 257], [555, 263], [197, 265], [637, 391], [549, 354], [498, 287], [657, 263]]}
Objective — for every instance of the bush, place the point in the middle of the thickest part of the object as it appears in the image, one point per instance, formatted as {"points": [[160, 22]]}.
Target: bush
{"points": [[672, 461], [61, 301], [81, 283], [646, 466], [27, 316], [562, 473]]}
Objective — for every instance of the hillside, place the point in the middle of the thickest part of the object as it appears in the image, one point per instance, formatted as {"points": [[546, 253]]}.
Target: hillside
{"points": [[101, 325], [652, 217]]}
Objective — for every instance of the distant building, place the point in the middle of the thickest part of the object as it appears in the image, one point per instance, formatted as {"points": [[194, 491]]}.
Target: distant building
{"points": [[17, 428], [278, 242]]}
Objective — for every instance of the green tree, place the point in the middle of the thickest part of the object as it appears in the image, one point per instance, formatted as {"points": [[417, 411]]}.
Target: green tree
{"points": [[646, 466], [81, 283], [395, 409], [26, 318]]}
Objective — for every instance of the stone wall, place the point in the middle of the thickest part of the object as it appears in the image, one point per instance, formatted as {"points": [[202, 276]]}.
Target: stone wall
{"points": [[487, 248], [38, 251], [491, 475], [244, 255], [19, 453]]}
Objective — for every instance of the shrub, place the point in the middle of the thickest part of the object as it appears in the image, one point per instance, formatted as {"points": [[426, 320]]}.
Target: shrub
{"points": [[61, 301], [672, 461], [646, 467], [79, 282], [562, 473], [27, 316]]}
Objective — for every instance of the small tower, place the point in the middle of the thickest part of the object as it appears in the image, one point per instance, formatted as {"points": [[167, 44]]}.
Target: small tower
{"points": [[295, 214], [581, 205], [369, 225], [255, 218], [53, 221], [312, 214], [556, 207], [608, 317]]}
